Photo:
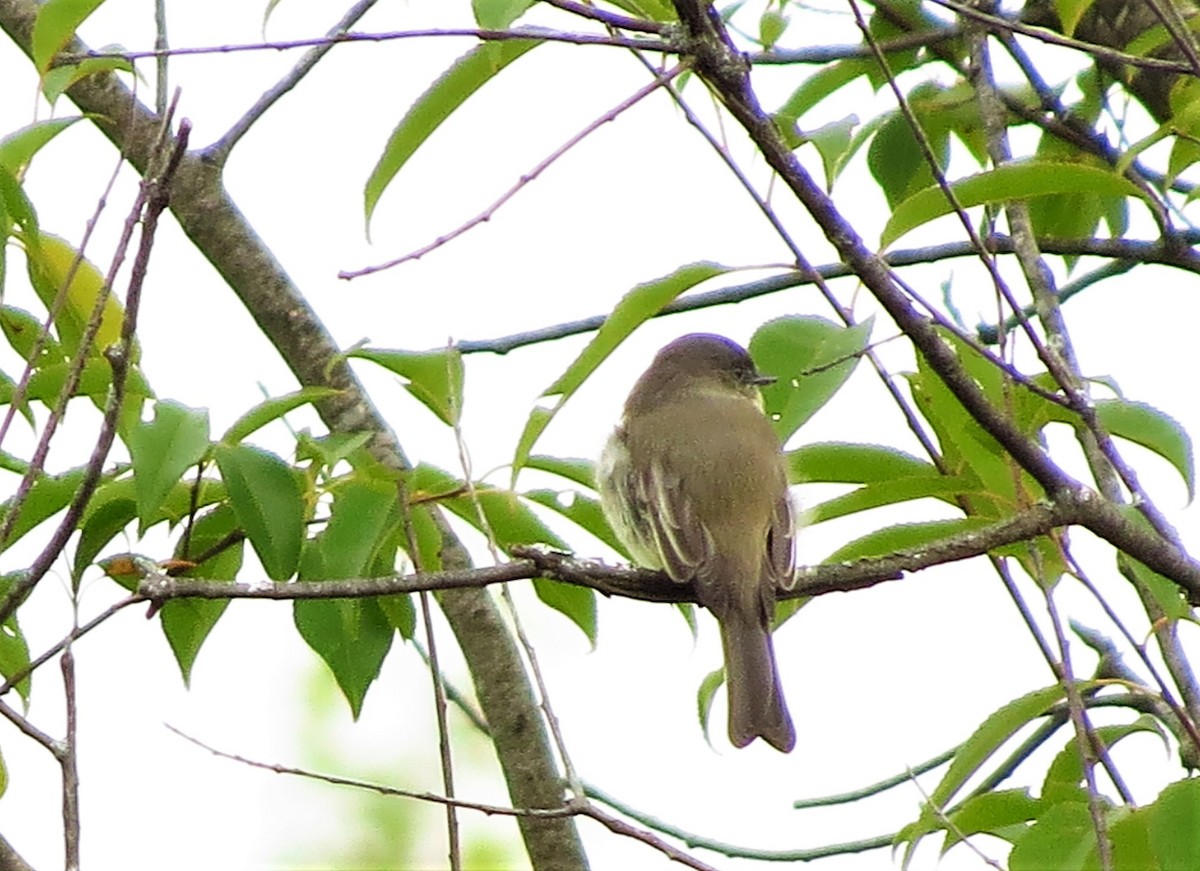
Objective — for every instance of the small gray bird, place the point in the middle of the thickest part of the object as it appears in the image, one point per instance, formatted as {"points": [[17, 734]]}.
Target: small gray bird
{"points": [[693, 482]]}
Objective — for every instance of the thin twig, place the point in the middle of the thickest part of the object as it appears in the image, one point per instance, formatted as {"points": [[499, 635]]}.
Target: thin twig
{"points": [[487, 214], [704, 842], [571, 809], [36, 663], [162, 87], [1122, 249], [536, 33], [876, 788], [31, 731], [609, 19], [219, 150], [445, 756], [1099, 52], [70, 765], [1086, 739]]}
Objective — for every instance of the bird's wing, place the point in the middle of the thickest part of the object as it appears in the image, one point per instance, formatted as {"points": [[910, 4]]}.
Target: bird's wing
{"points": [[779, 561], [683, 545]]}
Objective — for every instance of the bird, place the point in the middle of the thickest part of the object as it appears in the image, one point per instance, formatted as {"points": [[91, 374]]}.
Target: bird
{"points": [[693, 482]]}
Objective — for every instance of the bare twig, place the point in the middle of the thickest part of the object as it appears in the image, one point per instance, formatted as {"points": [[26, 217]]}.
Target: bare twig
{"points": [[219, 150], [488, 213], [580, 807], [1120, 249], [70, 765], [36, 663], [536, 33]]}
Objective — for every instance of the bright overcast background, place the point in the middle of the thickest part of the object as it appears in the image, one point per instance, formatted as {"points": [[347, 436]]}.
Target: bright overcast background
{"points": [[877, 680]]}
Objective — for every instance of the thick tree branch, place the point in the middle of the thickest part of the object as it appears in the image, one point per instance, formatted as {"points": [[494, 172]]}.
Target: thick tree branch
{"points": [[1083, 507]]}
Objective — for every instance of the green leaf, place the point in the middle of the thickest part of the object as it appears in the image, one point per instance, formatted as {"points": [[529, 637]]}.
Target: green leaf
{"points": [[846, 463], [269, 503], [188, 622], [49, 495], [18, 148], [498, 14], [466, 76], [56, 81], [14, 652], [654, 10], [1173, 822], [22, 330], [435, 378], [50, 263], [331, 449], [103, 521], [771, 26], [47, 383], [988, 738], [162, 450], [811, 358], [179, 503], [896, 159], [705, 693], [1147, 426], [581, 510], [273, 409], [352, 636], [1069, 12], [1063, 837], [834, 142], [637, 306], [363, 511], [1064, 777], [577, 604], [1130, 836], [995, 730], [399, 608], [905, 536], [512, 522], [57, 21], [577, 469], [428, 540], [1167, 594], [824, 82], [968, 450], [991, 812], [1014, 181], [15, 207], [876, 495]]}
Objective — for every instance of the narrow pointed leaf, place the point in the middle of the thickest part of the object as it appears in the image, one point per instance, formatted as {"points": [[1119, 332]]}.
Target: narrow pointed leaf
{"points": [[638, 306], [455, 86], [1016, 181]]}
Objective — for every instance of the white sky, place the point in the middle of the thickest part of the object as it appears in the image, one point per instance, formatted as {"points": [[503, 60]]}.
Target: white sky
{"points": [[876, 681]]}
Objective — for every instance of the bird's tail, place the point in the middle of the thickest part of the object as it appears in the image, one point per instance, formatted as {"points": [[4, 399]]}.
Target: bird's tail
{"points": [[756, 705]]}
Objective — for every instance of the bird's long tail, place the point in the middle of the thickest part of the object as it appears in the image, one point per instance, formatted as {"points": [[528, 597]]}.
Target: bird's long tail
{"points": [[756, 705]]}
